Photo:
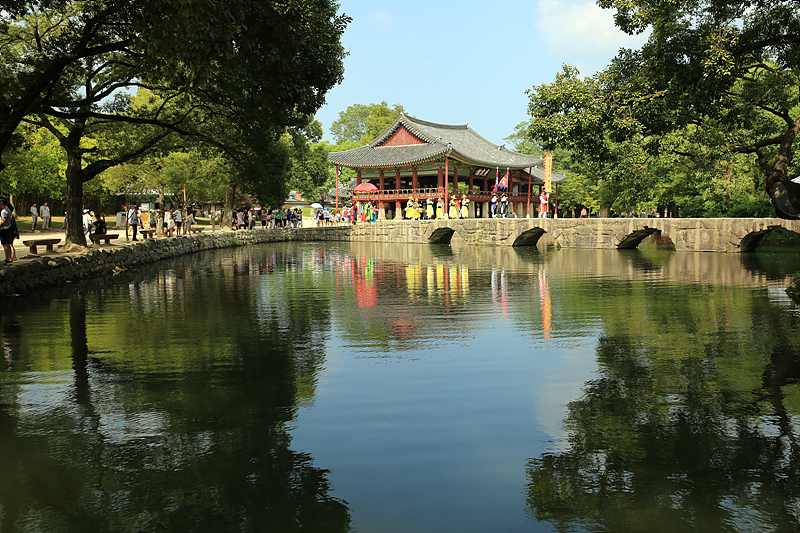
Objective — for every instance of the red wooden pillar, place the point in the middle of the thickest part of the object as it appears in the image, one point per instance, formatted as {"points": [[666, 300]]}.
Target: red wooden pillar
{"points": [[358, 177], [471, 179], [414, 183], [439, 180], [380, 180], [455, 181], [397, 180]]}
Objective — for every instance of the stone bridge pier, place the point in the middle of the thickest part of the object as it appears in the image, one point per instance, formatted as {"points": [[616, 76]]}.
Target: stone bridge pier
{"points": [[687, 234]]}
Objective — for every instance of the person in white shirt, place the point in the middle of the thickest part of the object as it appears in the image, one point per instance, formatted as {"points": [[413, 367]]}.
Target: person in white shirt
{"points": [[87, 222], [34, 216], [44, 211]]}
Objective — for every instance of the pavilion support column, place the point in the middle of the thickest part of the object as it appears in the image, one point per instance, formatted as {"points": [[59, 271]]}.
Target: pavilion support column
{"points": [[358, 177], [471, 179], [455, 182], [439, 185], [397, 180], [381, 206], [380, 181], [398, 210], [414, 180]]}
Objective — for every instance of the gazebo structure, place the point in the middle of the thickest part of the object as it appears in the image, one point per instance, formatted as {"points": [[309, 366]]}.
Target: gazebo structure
{"points": [[419, 159]]}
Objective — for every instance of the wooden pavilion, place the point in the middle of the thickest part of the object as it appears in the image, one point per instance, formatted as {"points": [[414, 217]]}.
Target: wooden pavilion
{"points": [[419, 159]]}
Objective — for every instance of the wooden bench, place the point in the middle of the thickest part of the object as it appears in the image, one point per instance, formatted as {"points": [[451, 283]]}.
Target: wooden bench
{"points": [[108, 237], [196, 229], [147, 233], [48, 243]]}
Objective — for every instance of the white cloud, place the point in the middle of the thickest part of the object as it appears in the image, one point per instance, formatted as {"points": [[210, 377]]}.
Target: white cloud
{"points": [[382, 19], [580, 33]]}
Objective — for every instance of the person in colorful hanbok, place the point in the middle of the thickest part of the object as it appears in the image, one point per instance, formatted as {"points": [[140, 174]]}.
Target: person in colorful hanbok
{"points": [[493, 207], [439, 209], [410, 210], [453, 212], [464, 206], [504, 205], [429, 209]]}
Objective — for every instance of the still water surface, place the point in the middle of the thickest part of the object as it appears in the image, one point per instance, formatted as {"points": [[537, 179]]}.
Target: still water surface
{"points": [[368, 388]]}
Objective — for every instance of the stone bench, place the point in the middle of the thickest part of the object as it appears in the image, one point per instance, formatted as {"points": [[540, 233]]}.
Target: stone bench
{"points": [[147, 233], [196, 229], [107, 237], [47, 243]]}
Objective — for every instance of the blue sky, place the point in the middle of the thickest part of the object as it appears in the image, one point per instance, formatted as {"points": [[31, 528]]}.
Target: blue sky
{"points": [[467, 61]]}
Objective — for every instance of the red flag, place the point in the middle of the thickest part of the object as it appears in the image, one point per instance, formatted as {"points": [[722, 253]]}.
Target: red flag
{"points": [[504, 182]]}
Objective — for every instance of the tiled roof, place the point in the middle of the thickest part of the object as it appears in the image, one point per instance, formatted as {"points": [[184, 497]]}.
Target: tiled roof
{"points": [[459, 142], [556, 177]]}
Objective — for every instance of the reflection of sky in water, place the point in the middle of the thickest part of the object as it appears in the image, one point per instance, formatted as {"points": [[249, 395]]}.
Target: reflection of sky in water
{"points": [[424, 378]]}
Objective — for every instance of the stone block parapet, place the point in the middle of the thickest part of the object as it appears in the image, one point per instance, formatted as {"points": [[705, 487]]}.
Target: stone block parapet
{"points": [[41, 272]]}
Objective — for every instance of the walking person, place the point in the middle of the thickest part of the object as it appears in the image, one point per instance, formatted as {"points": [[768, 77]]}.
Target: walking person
{"points": [[8, 230], [177, 216], [34, 216], [133, 220], [44, 212], [187, 224], [87, 222], [543, 200]]}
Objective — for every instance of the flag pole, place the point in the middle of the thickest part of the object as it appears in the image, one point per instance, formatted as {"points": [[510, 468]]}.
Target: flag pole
{"points": [[446, 207], [530, 175]]}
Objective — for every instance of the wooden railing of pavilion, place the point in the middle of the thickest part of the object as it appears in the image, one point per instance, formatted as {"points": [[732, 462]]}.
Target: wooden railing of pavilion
{"points": [[403, 194]]}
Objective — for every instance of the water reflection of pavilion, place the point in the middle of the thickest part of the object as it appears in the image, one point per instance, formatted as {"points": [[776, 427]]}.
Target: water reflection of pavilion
{"points": [[427, 160]]}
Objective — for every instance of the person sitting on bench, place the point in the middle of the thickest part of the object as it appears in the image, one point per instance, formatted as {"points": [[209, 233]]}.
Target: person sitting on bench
{"points": [[99, 224]]}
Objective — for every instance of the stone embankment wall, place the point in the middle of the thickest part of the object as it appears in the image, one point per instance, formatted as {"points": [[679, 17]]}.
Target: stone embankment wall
{"points": [[49, 270]]}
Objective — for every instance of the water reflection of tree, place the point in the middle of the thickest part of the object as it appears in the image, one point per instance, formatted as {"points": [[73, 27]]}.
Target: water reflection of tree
{"points": [[702, 455], [153, 436]]}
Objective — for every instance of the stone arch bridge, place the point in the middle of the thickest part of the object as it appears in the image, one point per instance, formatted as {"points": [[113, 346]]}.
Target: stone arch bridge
{"points": [[687, 234]]}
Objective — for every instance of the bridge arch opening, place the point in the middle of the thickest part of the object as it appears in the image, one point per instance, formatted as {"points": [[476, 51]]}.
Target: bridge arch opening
{"points": [[441, 236], [529, 237], [773, 235], [632, 240]]}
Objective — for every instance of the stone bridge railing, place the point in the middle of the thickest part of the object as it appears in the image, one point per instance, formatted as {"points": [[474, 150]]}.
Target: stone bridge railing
{"points": [[687, 234]]}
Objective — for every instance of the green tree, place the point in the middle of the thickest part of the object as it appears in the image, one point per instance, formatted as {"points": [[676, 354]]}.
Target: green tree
{"points": [[361, 123], [730, 68], [256, 67]]}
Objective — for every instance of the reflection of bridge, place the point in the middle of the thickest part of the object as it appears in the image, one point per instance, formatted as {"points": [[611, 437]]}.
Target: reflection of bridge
{"points": [[687, 234]]}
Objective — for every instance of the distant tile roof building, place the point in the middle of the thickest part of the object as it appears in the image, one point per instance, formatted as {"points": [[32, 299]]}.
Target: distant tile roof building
{"points": [[424, 159]]}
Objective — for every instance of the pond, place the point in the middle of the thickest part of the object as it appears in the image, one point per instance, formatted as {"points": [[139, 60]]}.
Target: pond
{"points": [[409, 388]]}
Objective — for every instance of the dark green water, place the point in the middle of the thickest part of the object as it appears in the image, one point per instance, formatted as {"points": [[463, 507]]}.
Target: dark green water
{"points": [[369, 388]]}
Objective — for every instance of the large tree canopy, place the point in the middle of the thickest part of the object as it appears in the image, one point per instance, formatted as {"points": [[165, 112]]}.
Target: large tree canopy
{"points": [[726, 72], [232, 73], [361, 123]]}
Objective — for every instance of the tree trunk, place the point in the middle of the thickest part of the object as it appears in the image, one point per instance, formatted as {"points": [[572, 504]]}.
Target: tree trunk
{"points": [[785, 196], [605, 211], [74, 204], [227, 216]]}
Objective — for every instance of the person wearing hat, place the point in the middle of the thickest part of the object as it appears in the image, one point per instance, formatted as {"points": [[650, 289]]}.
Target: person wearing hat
{"points": [[493, 207], [8, 230], [87, 222], [464, 206], [429, 209], [453, 213]]}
